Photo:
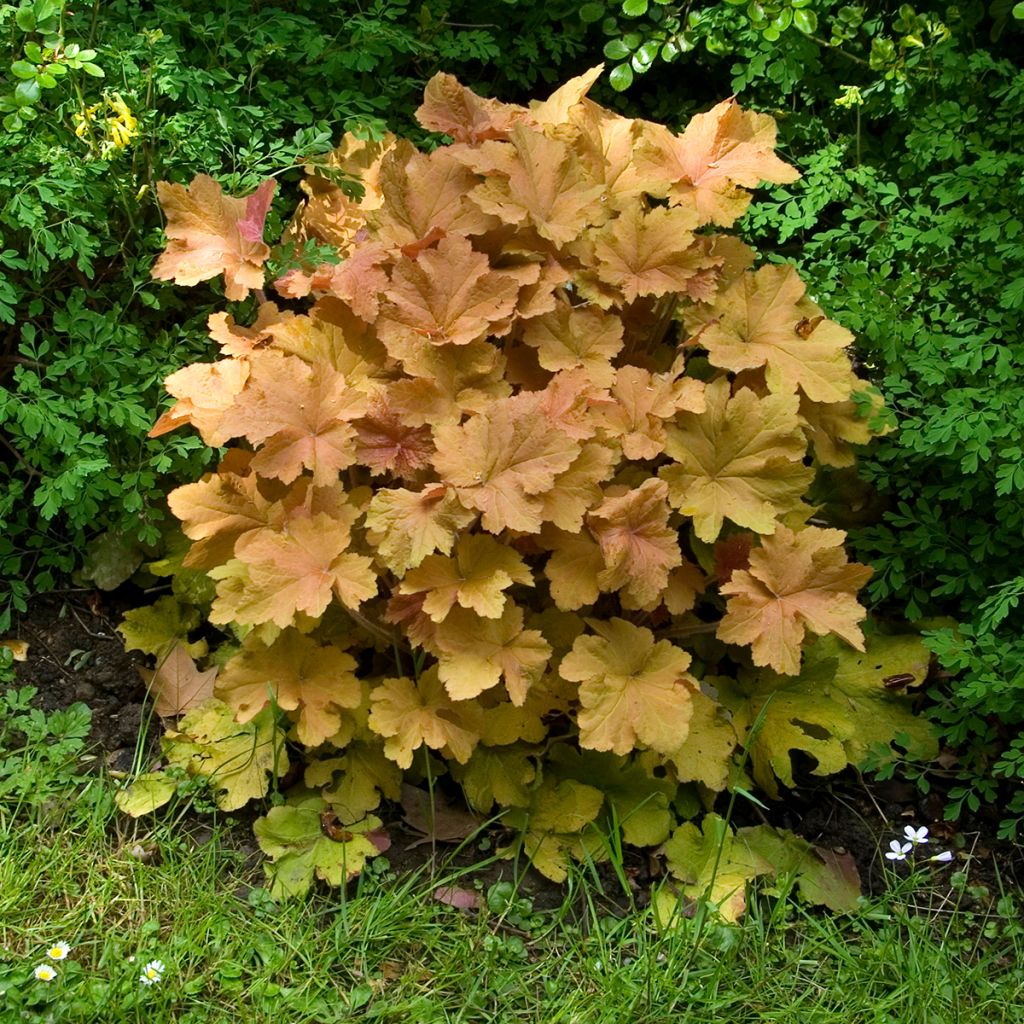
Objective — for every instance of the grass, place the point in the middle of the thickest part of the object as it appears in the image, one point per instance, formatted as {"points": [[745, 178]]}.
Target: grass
{"points": [[73, 870]]}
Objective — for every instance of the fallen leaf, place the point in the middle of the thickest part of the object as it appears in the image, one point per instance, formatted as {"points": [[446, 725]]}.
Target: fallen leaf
{"points": [[176, 685], [464, 899]]}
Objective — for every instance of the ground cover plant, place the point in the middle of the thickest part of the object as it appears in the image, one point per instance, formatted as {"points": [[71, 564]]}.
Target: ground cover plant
{"points": [[91, 903], [523, 484]]}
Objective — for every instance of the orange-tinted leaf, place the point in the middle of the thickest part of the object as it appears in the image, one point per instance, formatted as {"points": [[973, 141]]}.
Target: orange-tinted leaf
{"points": [[637, 544], [558, 107], [834, 427], [650, 253], [216, 511], [501, 461], [797, 581], [205, 392], [406, 526], [573, 569], [452, 109], [571, 336], [446, 296], [300, 415], [426, 193], [334, 336], [740, 460], [413, 714], [632, 690], [578, 489], [279, 574], [243, 341], [763, 319], [720, 151], [210, 234], [533, 180], [387, 444], [641, 403], [475, 578], [296, 673]]}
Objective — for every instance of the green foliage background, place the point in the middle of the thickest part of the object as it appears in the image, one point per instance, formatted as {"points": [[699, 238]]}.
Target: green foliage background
{"points": [[905, 122]]}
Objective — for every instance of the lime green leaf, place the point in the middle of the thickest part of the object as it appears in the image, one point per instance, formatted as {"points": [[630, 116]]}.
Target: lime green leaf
{"points": [[835, 710], [621, 77], [806, 21], [155, 629], [294, 836], [238, 760], [616, 49], [636, 800], [145, 794], [713, 866], [554, 826]]}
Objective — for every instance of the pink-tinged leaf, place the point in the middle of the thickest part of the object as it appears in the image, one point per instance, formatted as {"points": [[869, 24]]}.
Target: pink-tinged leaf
{"points": [[250, 227], [176, 685], [463, 899]]}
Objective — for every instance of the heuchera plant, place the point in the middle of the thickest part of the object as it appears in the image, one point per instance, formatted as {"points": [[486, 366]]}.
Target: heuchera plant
{"points": [[519, 479]]}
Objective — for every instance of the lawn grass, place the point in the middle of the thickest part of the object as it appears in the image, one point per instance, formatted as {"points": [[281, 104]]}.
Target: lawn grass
{"points": [[73, 870]]}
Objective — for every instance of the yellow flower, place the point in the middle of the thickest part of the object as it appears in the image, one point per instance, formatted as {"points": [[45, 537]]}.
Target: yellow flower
{"points": [[851, 97], [44, 972], [58, 951]]}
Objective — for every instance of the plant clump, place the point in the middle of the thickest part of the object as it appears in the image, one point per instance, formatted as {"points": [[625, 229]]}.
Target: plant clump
{"points": [[518, 481]]}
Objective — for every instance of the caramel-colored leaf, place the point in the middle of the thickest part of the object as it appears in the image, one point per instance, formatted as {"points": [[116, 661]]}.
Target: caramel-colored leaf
{"points": [[210, 234], [632, 689], [294, 673], [796, 581], [177, 685], [764, 319], [476, 654], [638, 546], [740, 460], [503, 460], [413, 714], [407, 526], [720, 155], [476, 578]]}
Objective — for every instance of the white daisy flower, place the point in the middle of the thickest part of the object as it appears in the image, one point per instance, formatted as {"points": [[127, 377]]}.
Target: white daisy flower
{"points": [[58, 951], [898, 850], [152, 972], [915, 836], [44, 972]]}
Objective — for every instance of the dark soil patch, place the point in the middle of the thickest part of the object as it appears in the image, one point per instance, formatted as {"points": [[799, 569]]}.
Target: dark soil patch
{"points": [[75, 654]]}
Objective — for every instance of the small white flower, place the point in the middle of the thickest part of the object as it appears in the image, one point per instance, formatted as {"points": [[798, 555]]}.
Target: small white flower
{"points": [[152, 972], [58, 951], [943, 858], [44, 972], [915, 836], [898, 850]]}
